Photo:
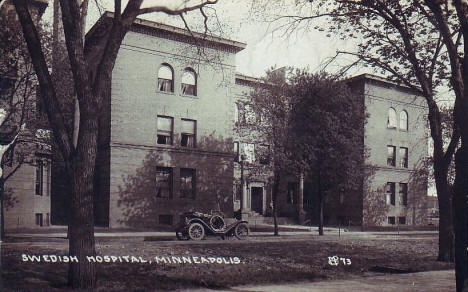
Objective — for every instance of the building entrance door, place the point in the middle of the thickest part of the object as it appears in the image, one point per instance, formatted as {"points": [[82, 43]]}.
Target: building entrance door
{"points": [[257, 199]]}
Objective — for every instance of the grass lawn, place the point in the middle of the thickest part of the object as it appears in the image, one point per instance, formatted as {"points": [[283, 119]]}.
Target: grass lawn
{"points": [[263, 260]]}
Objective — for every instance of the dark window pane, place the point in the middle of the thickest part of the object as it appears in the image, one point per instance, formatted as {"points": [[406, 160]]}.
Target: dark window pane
{"points": [[163, 182], [165, 219], [165, 85], [187, 183], [188, 89], [39, 178], [402, 220], [390, 193], [404, 194]]}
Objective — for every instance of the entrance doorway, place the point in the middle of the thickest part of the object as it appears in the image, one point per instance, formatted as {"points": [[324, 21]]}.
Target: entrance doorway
{"points": [[257, 199]]}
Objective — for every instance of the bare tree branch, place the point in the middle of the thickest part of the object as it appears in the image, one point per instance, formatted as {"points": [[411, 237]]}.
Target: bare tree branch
{"points": [[169, 11]]}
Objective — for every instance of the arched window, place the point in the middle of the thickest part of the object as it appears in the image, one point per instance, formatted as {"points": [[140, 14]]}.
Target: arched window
{"points": [[189, 82], [391, 122], [404, 120], [166, 78]]}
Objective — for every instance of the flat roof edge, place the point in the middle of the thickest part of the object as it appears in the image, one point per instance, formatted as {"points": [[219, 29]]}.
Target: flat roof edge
{"points": [[238, 46]]}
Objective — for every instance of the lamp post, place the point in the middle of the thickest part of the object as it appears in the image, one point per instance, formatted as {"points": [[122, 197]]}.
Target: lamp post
{"points": [[242, 198]]}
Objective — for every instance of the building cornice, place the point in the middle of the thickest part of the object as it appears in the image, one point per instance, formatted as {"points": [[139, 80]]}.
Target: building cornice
{"points": [[383, 81], [172, 32]]}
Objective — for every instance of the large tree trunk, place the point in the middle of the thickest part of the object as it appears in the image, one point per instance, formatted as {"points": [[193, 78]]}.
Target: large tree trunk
{"points": [[446, 234], [460, 222], [441, 165], [81, 226], [276, 183]]}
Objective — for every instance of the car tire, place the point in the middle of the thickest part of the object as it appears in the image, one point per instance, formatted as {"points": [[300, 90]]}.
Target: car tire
{"points": [[196, 231], [242, 231]]}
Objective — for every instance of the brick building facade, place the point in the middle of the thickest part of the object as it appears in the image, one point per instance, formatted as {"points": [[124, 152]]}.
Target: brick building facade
{"points": [[169, 134], [169, 143], [396, 138]]}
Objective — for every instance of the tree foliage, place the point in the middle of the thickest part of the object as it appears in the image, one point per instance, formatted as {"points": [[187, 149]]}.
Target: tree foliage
{"points": [[267, 118], [328, 134], [414, 43]]}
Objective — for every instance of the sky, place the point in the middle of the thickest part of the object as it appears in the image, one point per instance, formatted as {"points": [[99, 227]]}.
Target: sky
{"points": [[242, 21]]}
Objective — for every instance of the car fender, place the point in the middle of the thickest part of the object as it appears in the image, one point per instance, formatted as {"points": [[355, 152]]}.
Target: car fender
{"points": [[198, 220]]}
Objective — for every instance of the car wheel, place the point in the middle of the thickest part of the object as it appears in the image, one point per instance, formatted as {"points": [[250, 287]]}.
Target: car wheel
{"points": [[241, 231], [217, 223], [196, 231]]}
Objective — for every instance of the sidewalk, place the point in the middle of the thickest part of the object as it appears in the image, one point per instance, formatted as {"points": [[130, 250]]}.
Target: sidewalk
{"points": [[60, 232], [433, 281]]}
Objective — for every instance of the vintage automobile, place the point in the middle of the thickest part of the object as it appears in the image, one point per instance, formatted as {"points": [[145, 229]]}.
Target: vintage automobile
{"points": [[197, 225]]}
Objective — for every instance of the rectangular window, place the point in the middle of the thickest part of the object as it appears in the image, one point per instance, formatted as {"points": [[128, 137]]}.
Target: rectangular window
{"points": [[40, 178], [165, 128], [189, 128], [292, 192], [391, 220], [391, 155], [236, 151], [404, 157], [163, 182], [249, 152], [187, 183], [165, 219], [403, 194], [236, 113], [390, 193], [38, 219], [401, 220], [263, 154]]}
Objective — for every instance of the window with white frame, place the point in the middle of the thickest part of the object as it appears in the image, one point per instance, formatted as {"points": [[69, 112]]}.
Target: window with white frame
{"points": [[403, 157], [392, 118], [404, 121], [166, 78], [391, 155], [165, 129], [189, 82], [390, 193], [188, 133]]}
